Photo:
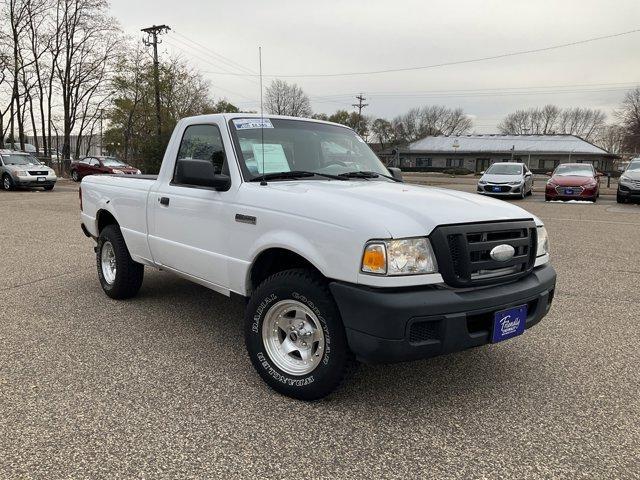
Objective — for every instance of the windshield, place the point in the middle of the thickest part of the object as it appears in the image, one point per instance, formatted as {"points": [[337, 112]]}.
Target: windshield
{"points": [[504, 169], [17, 159], [574, 170], [298, 145], [111, 162], [634, 166]]}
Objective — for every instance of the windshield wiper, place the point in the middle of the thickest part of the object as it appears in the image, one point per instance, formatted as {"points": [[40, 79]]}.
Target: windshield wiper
{"points": [[367, 175], [293, 174]]}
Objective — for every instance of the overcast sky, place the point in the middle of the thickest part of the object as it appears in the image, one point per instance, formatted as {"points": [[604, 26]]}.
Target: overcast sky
{"points": [[337, 36]]}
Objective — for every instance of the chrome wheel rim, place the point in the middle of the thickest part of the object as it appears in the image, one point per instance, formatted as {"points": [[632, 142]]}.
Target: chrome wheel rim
{"points": [[74, 175], [7, 183], [293, 337], [108, 262]]}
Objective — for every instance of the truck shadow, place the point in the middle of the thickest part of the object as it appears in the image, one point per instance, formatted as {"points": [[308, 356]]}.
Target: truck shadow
{"points": [[497, 368]]}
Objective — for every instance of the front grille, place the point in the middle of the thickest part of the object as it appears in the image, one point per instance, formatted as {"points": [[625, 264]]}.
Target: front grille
{"points": [[503, 188], [463, 252], [39, 172], [576, 190], [427, 331]]}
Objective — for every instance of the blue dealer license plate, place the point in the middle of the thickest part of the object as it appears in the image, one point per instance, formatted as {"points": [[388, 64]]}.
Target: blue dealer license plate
{"points": [[496, 189], [509, 323]]}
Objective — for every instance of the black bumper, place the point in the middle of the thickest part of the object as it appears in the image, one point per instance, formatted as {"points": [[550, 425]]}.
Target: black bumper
{"points": [[629, 194], [386, 326]]}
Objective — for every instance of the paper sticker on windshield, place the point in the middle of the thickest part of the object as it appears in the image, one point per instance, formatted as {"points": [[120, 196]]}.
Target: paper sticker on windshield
{"points": [[273, 157], [248, 123]]}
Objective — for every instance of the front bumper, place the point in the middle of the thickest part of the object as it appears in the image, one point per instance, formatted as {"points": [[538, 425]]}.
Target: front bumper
{"points": [[580, 193], [394, 325], [628, 193], [32, 181], [505, 190]]}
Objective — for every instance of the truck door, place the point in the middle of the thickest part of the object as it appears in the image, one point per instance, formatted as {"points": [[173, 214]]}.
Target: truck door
{"points": [[188, 228]]}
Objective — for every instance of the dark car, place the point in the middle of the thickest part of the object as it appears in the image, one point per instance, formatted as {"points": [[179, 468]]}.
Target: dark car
{"points": [[100, 165], [573, 181], [629, 183]]}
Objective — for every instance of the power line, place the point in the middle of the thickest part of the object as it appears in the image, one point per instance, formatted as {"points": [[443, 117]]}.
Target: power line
{"points": [[222, 58], [212, 84], [475, 90], [444, 64], [360, 105], [198, 54]]}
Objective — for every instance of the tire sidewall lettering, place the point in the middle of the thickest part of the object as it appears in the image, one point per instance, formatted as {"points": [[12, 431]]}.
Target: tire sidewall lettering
{"points": [[263, 358]]}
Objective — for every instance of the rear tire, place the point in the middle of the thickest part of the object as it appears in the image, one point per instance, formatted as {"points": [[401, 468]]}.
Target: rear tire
{"points": [[295, 337], [7, 182], [120, 277]]}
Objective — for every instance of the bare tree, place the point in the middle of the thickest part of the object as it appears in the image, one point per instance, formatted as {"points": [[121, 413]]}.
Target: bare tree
{"points": [[89, 43], [284, 99], [421, 122], [629, 116], [611, 138], [550, 119]]}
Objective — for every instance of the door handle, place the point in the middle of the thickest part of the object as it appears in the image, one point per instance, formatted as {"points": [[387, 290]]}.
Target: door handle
{"points": [[164, 201]]}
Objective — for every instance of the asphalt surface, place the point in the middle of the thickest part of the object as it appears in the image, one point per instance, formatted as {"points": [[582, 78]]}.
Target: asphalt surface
{"points": [[160, 386]]}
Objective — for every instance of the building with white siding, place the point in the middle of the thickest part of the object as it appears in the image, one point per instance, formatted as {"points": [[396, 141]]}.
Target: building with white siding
{"points": [[477, 152]]}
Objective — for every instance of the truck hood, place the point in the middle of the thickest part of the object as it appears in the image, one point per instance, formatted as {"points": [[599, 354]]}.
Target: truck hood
{"points": [[401, 209]]}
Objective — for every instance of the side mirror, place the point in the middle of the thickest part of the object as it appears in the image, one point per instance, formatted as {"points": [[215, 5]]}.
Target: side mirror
{"points": [[482, 172], [396, 173], [200, 173]]}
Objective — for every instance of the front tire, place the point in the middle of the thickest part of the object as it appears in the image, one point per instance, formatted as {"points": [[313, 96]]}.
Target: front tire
{"points": [[7, 182], [120, 277], [74, 176], [620, 198], [48, 188], [295, 337]]}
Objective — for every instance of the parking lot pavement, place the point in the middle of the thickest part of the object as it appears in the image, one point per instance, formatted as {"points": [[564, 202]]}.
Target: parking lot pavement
{"points": [[160, 386]]}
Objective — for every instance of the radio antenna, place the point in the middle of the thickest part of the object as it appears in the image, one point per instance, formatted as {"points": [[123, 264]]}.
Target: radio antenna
{"points": [[264, 181]]}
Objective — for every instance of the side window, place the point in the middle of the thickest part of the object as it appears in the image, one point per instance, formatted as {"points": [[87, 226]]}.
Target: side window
{"points": [[93, 162], [203, 142]]}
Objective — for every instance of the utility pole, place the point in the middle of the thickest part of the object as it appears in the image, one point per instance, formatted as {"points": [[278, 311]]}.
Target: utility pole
{"points": [[360, 105], [152, 41]]}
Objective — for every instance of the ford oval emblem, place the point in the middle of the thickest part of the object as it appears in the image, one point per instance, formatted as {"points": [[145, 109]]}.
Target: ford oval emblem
{"points": [[502, 253]]}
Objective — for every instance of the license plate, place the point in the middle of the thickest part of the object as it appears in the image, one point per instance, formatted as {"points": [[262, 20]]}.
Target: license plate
{"points": [[496, 189], [509, 323], [42, 179], [568, 191]]}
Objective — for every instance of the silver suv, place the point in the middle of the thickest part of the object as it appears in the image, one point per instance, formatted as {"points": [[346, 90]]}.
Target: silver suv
{"points": [[20, 169]]}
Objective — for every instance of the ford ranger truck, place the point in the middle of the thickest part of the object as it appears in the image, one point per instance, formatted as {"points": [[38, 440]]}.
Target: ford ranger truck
{"points": [[337, 258]]}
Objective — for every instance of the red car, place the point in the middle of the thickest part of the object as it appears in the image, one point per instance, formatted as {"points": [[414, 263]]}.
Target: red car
{"points": [[100, 165], [573, 181]]}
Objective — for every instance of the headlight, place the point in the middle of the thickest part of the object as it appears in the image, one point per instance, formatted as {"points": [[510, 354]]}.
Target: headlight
{"points": [[482, 182], [543, 242], [410, 256], [624, 178], [117, 172], [22, 173], [515, 183], [138, 172]]}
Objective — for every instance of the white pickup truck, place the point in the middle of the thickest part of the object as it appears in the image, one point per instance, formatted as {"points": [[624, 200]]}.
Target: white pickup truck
{"points": [[338, 259]]}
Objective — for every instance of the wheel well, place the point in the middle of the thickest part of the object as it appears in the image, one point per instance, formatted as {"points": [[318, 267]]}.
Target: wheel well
{"points": [[104, 219], [276, 260]]}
